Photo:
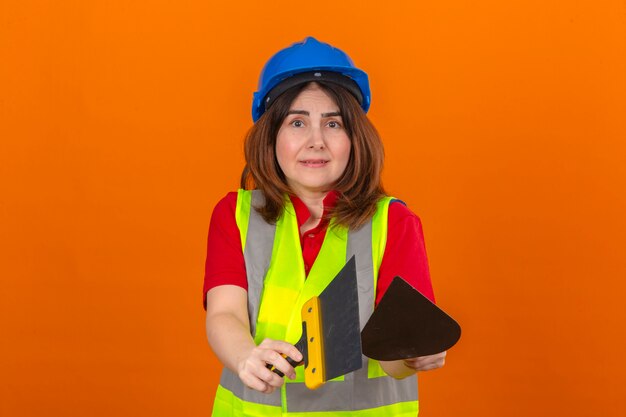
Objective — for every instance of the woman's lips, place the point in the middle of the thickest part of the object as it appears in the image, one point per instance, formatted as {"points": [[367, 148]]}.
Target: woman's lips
{"points": [[314, 163]]}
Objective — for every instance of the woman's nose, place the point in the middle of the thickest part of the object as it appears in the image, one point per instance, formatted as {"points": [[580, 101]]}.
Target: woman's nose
{"points": [[316, 139]]}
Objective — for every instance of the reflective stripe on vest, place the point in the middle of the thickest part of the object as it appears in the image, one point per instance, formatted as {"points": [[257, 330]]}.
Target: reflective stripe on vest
{"points": [[276, 290]]}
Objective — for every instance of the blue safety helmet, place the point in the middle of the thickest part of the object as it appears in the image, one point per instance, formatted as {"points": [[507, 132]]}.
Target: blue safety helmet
{"points": [[306, 61]]}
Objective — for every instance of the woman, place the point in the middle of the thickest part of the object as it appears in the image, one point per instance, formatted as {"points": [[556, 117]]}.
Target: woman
{"points": [[314, 160]]}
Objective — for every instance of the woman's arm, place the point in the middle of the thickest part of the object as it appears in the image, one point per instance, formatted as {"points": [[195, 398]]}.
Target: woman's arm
{"points": [[228, 332], [403, 368]]}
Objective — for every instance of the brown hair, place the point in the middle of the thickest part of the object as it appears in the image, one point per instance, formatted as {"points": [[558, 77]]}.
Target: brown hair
{"points": [[359, 187]]}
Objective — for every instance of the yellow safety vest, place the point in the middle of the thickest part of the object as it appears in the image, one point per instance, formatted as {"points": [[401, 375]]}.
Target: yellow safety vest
{"points": [[277, 289]]}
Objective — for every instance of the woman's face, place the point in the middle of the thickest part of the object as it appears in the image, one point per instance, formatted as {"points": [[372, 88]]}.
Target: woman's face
{"points": [[312, 146]]}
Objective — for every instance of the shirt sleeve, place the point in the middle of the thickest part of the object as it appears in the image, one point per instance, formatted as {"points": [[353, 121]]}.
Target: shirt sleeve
{"points": [[405, 253], [224, 259]]}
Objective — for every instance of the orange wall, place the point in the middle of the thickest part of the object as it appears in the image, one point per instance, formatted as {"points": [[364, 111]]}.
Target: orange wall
{"points": [[121, 126]]}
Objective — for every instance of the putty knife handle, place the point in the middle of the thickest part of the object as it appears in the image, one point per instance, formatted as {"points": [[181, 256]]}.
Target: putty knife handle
{"points": [[279, 373], [301, 346]]}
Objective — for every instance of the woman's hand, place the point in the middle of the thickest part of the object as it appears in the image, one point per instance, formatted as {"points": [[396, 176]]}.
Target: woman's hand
{"points": [[407, 367], [253, 372], [228, 333], [426, 363]]}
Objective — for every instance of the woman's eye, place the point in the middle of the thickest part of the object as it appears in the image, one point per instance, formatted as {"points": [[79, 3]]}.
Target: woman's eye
{"points": [[334, 125], [297, 123]]}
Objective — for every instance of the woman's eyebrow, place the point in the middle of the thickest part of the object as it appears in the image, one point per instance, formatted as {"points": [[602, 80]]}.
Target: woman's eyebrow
{"points": [[306, 113]]}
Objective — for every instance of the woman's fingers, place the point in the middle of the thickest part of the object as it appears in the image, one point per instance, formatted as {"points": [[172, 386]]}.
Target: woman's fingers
{"points": [[255, 374], [253, 370], [258, 377], [282, 347], [278, 352], [426, 363]]}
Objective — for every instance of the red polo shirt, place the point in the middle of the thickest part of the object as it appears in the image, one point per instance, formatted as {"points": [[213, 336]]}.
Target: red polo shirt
{"points": [[405, 252]]}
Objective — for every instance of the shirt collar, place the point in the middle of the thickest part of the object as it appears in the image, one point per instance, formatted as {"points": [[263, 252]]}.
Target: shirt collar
{"points": [[302, 212]]}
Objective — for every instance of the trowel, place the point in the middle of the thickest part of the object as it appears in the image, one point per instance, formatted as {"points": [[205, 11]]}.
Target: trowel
{"points": [[406, 324]]}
